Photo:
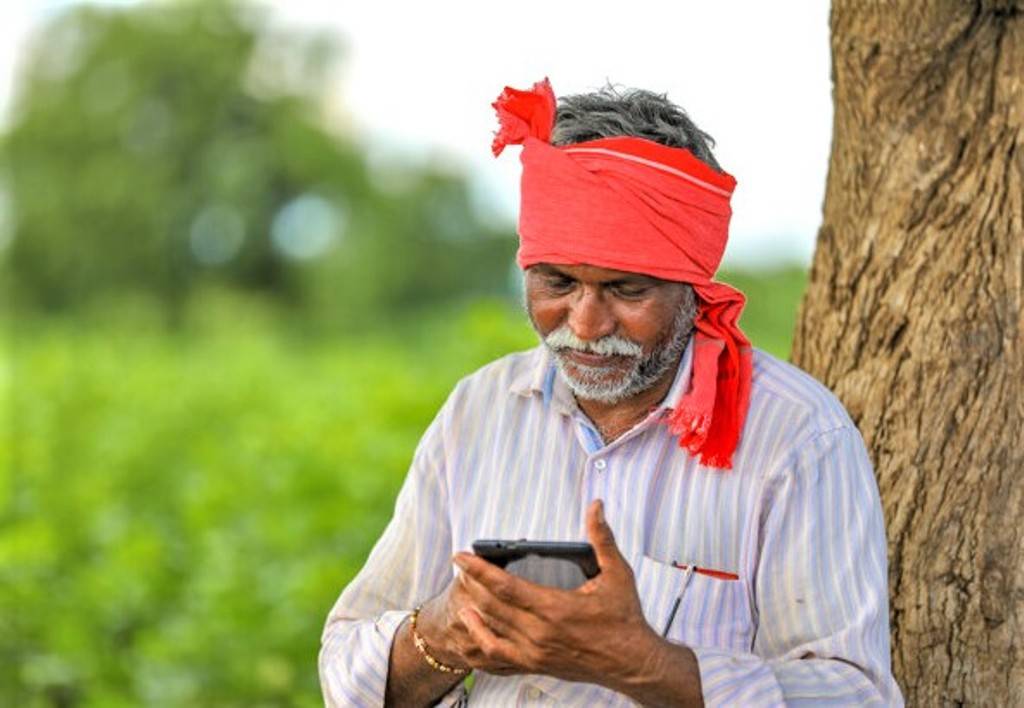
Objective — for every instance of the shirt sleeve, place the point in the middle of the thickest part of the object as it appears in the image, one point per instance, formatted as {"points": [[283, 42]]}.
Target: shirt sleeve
{"points": [[821, 588], [408, 565]]}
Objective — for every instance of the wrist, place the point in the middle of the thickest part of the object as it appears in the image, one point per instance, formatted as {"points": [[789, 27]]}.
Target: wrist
{"points": [[660, 673], [431, 628], [647, 661]]}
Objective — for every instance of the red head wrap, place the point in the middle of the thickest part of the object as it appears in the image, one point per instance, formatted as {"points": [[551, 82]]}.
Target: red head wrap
{"points": [[635, 205]]}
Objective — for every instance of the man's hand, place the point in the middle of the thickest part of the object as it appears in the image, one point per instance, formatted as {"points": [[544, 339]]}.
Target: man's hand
{"points": [[491, 620], [448, 638], [596, 633]]}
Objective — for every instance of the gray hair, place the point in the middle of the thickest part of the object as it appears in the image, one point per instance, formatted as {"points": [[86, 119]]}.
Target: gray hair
{"points": [[611, 112]]}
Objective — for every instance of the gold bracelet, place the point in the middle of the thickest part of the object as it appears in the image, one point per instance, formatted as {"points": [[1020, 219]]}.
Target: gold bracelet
{"points": [[422, 647]]}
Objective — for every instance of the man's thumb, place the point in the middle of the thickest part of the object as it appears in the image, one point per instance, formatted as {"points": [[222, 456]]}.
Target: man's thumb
{"points": [[601, 537]]}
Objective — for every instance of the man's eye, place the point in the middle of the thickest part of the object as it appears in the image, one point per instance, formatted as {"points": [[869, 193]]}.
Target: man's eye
{"points": [[559, 283], [631, 290]]}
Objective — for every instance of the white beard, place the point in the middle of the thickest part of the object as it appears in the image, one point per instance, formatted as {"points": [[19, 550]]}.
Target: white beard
{"points": [[612, 384]]}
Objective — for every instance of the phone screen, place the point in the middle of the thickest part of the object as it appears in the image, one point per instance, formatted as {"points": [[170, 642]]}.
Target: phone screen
{"points": [[560, 564], [553, 572]]}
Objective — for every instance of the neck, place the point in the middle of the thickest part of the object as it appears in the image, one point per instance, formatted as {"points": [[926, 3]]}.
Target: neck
{"points": [[614, 419]]}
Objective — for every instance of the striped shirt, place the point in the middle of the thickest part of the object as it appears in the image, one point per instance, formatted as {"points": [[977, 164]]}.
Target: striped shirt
{"points": [[798, 520]]}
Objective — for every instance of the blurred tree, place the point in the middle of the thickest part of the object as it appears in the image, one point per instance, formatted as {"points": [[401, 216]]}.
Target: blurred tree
{"points": [[160, 147]]}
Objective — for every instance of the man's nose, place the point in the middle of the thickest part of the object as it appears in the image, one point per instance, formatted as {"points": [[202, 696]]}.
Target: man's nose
{"points": [[590, 318]]}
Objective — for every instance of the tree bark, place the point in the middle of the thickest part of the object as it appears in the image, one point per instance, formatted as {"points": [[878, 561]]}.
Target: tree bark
{"points": [[913, 316]]}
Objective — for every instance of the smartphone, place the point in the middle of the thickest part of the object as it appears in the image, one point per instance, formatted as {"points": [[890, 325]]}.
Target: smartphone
{"points": [[560, 564]]}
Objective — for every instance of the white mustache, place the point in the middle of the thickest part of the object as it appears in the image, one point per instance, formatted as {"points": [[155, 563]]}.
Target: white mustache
{"points": [[612, 345]]}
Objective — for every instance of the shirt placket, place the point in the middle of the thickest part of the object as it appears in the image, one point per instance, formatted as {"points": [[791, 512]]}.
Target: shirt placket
{"points": [[594, 482], [600, 461]]}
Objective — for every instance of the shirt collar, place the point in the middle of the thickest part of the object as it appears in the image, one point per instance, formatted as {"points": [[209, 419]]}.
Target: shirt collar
{"points": [[542, 377]]}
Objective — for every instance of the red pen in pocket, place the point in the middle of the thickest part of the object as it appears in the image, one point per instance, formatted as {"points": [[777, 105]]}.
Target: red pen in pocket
{"points": [[689, 571], [720, 574]]}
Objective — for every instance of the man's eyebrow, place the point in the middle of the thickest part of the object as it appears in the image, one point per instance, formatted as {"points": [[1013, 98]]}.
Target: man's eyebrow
{"points": [[633, 280], [627, 279], [545, 269]]}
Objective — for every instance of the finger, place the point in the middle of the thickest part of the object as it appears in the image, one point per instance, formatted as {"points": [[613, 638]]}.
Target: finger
{"points": [[502, 585], [504, 620], [600, 535], [470, 653], [473, 655], [498, 654]]}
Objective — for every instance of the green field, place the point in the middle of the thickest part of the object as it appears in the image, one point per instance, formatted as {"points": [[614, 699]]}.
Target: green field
{"points": [[179, 510]]}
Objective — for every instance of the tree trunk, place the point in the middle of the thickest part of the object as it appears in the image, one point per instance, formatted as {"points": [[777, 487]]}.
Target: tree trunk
{"points": [[913, 316]]}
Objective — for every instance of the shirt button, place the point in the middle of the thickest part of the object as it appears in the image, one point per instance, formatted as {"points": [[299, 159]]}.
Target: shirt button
{"points": [[599, 465], [533, 693]]}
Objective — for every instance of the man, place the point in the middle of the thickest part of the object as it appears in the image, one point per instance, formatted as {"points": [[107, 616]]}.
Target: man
{"points": [[728, 496]]}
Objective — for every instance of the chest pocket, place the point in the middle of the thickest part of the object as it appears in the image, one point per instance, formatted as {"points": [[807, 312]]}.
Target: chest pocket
{"points": [[712, 612]]}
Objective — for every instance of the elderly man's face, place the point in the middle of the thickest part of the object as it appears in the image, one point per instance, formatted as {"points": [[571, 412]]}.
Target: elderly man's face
{"points": [[614, 334]]}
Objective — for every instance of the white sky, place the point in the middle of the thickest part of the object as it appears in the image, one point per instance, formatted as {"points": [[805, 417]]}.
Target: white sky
{"points": [[419, 77]]}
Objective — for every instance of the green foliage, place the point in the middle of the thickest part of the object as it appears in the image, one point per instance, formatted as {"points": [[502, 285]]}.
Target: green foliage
{"points": [[178, 512], [162, 147], [769, 316]]}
